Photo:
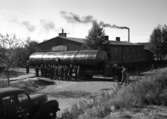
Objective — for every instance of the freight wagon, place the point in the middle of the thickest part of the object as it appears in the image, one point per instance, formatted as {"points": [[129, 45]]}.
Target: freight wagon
{"points": [[131, 55]]}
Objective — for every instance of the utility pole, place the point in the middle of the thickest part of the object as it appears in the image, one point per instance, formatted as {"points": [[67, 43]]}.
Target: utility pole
{"points": [[122, 27], [128, 34]]}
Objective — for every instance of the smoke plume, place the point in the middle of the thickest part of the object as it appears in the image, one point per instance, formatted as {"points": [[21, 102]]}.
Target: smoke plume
{"points": [[119, 27], [74, 18], [25, 23], [47, 25], [104, 24], [113, 26]]}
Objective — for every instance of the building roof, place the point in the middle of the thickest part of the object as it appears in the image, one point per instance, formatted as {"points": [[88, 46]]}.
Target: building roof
{"points": [[146, 45], [122, 43], [82, 41], [78, 40]]}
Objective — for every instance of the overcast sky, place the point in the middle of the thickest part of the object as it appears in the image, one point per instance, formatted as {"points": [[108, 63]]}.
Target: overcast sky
{"points": [[44, 19]]}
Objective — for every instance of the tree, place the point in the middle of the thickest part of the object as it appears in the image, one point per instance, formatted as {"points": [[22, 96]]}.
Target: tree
{"points": [[8, 46], [158, 40], [21, 56], [23, 53], [96, 36], [31, 46], [164, 36]]}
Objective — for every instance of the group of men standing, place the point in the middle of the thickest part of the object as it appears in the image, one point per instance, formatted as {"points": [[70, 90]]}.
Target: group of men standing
{"points": [[60, 72], [71, 71]]}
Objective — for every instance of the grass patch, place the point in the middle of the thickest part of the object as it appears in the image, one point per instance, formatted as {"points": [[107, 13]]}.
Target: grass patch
{"points": [[3, 77], [30, 86], [94, 107], [12, 73], [151, 90]]}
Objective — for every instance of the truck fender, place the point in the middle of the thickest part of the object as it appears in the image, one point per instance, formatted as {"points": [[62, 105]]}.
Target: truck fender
{"points": [[47, 110]]}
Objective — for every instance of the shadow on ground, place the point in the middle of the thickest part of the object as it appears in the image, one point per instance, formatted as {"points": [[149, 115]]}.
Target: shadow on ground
{"points": [[70, 94], [31, 86]]}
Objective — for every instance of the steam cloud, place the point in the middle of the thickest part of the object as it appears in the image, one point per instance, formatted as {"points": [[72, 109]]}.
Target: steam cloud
{"points": [[47, 25], [28, 26], [74, 18]]}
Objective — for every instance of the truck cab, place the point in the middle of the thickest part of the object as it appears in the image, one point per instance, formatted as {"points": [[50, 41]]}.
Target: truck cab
{"points": [[16, 103]]}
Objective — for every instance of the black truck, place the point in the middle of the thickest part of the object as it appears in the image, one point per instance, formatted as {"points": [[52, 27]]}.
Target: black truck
{"points": [[16, 103]]}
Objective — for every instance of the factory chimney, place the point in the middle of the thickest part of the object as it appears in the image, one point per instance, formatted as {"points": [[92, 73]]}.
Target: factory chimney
{"points": [[128, 34]]}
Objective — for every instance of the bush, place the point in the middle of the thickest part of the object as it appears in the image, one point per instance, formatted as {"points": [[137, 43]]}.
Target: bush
{"points": [[94, 107], [143, 92], [148, 91]]}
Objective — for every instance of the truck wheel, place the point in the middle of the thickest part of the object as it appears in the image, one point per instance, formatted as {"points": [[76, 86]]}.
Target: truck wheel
{"points": [[52, 115], [48, 110]]}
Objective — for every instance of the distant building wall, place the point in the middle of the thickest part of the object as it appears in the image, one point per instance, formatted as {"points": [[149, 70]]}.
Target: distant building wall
{"points": [[58, 43]]}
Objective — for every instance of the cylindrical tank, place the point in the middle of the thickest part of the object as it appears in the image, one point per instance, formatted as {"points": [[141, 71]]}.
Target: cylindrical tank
{"points": [[87, 57]]}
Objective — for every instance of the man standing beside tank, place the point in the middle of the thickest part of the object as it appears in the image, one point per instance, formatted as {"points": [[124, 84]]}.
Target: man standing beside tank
{"points": [[119, 73], [124, 77]]}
